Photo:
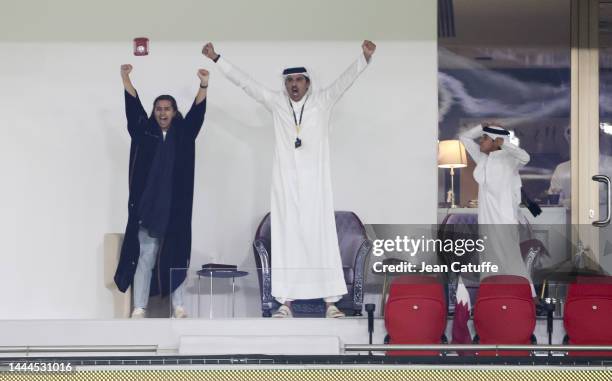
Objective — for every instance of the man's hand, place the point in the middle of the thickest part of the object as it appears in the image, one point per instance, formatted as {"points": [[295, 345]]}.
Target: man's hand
{"points": [[209, 51], [126, 69], [499, 141], [368, 49], [203, 74]]}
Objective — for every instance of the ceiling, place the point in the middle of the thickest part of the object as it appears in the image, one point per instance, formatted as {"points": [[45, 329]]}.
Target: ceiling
{"points": [[490, 33], [244, 20], [519, 23], [518, 34]]}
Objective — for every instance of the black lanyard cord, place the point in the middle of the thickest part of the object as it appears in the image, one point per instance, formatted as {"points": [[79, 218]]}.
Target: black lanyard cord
{"points": [[301, 113]]}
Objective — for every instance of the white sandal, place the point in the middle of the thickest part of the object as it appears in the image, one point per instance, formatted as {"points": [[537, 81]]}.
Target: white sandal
{"points": [[333, 312], [283, 312], [179, 313]]}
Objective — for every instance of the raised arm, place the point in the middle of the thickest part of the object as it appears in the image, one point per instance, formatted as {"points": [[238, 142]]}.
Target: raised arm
{"points": [[203, 75], [195, 117], [134, 112], [467, 138], [333, 93], [239, 78], [520, 155]]}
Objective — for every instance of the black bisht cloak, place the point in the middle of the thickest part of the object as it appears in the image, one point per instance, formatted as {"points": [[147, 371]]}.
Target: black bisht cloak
{"points": [[175, 250]]}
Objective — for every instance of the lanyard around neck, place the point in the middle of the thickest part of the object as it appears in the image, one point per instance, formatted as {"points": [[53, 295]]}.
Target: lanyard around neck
{"points": [[298, 124]]}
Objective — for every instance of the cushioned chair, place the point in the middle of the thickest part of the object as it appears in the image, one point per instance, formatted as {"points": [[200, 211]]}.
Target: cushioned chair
{"points": [[354, 249], [587, 314], [504, 313], [415, 313]]}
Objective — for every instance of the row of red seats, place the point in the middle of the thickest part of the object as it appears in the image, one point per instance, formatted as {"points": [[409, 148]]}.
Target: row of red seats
{"points": [[504, 313]]}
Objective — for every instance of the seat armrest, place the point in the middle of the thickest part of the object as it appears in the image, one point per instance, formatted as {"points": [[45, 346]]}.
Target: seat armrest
{"points": [[262, 252], [359, 272]]}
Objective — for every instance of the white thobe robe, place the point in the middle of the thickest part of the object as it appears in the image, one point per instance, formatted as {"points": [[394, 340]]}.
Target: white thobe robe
{"points": [[561, 182], [499, 198], [306, 261]]}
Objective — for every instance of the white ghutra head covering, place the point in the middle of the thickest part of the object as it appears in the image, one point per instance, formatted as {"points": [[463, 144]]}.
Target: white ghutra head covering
{"points": [[300, 70], [495, 132], [297, 70]]}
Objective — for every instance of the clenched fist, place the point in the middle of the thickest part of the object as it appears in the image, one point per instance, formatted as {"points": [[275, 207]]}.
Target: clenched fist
{"points": [[209, 51], [126, 69], [368, 49], [203, 74]]}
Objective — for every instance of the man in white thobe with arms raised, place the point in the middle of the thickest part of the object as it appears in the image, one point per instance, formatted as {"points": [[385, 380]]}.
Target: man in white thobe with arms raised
{"points": [[307, 263]]}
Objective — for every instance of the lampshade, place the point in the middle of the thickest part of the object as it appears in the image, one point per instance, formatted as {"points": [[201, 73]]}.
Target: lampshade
{"points": [[451, 154]]}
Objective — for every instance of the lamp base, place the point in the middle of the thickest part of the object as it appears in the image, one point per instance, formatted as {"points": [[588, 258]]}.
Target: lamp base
{"points": [[450, 198]]}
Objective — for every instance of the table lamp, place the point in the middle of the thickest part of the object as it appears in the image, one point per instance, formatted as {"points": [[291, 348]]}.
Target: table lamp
{"points": [[451, 154]]}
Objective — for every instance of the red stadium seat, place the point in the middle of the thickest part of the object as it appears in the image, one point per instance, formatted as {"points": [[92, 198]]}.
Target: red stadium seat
{"points": [[504, 313], [415, 313], [588, 311]]}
